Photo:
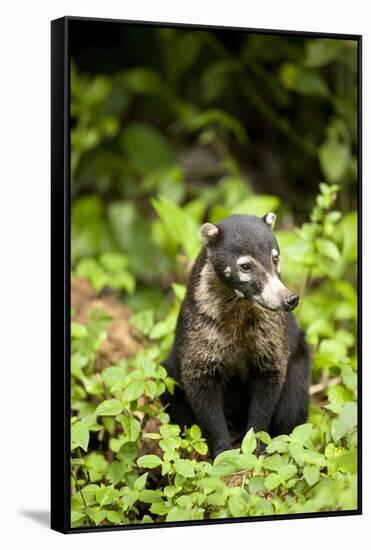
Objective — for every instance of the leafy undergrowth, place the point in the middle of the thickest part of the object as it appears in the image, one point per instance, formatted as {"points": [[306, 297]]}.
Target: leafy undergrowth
{"points": [[130, 465], [312, 469]]}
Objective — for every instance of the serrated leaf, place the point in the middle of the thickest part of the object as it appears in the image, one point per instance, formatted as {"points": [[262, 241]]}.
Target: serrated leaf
{"points": [[109, 407], [116, 471], [149, 461], [184, 467], [131, 427], [80, 435], [134, 390]]}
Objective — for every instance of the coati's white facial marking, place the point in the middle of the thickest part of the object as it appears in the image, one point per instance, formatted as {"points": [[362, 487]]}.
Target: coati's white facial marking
{"points": [[276, 259], [239, 293], [244, 262], [228, 271], [272, 291]]}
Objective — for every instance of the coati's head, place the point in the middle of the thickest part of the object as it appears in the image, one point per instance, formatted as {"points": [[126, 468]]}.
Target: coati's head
{"points": [[246, 258]]}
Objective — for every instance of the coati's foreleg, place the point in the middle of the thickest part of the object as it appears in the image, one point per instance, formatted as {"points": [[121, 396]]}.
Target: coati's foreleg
{"points": [[292, 407], [264, 388], [206, 399]]}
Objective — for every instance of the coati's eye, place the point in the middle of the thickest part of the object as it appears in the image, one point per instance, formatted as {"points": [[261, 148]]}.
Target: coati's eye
{"points": [[245, 268], [275, 260]]}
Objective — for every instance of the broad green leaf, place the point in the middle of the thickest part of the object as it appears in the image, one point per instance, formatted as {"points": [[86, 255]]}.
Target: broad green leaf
{"points": [[114, 517], [150, 496], [140, 483], [149, 461], [110, 407], [131, 427], [75, 516], [334, 158], [116, 471], [329, 249], [146, 147], [134, 390], [303, 80], [195, 432], [184, 467], [347, 462], [114, 376], [302, 432], [248, 444], [311, 474], [79, 435], [178, 514], [346, 420]]}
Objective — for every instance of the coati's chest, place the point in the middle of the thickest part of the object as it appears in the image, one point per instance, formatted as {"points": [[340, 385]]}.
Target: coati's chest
{"points": [[234, 343]]}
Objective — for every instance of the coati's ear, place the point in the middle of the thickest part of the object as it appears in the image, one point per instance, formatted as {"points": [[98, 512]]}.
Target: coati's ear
{"points": [[270, 219], [209, 233]]}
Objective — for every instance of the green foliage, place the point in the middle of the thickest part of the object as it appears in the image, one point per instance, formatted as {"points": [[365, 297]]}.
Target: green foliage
{"points": [[155, 154]]}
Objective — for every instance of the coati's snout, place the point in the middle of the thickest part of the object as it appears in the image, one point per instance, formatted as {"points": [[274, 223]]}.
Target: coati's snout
{"points": [[246, 258]]}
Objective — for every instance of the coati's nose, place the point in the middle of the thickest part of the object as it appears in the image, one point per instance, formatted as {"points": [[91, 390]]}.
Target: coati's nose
{"points": [[291, 301]]}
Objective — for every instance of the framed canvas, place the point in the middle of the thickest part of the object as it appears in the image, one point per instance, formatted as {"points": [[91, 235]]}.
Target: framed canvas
{"points": [[206, 276]]}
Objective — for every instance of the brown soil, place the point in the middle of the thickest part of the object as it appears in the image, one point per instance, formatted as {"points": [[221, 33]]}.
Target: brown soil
{"points": [[122, 339]]}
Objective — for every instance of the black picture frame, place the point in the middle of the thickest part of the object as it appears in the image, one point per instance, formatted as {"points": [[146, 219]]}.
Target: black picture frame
{"points": [[60, 274]]}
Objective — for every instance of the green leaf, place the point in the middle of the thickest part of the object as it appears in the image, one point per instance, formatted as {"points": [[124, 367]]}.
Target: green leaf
{"points": [[178, 514], [75, 516], [106, 495], [248, 444], [311, 474], [237, 506], [347, 462], [302, 432], [257, 205], [346, 420], [134, 390], [149, 461], [79, 435], [116, 471], [159, 508], [179, 291], [114, 376], [303, 80], [184, 467], [110, 407], [149, 496], [146, 147], [78, 331], [272, 481], [200, 447], [334, 159], [322, 51], [140, 483], [195, 432], [131, 427], [115, 517], [143, 321], [329, 249]]}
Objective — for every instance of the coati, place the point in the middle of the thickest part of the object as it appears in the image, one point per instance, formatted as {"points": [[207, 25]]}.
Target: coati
{"points": [[239, 357]]}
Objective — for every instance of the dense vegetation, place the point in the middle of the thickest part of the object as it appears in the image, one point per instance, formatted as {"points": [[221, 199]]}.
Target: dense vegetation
{"points": [[209, 127]]}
